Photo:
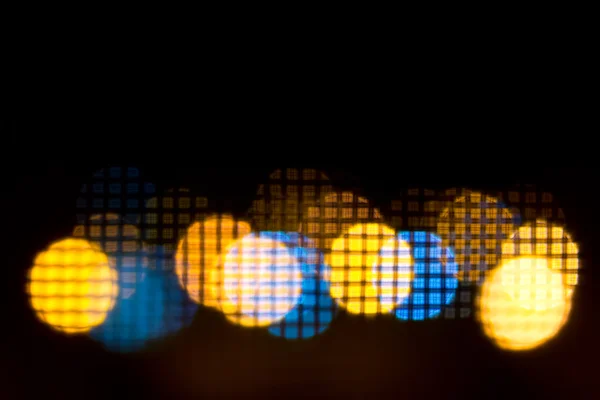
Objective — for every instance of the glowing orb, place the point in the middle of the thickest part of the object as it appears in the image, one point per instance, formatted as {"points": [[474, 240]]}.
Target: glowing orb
{"points": [[474, 225], [362, 281], [157, 308], [262, 281], [316, 309], [523, 303], [198, 256], [72, 286], [435, 283], [548, 241]]}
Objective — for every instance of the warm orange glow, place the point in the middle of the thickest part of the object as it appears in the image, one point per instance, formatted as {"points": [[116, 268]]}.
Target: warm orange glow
{"points": [[120, 242], [335, 213], [357, 283], [72, 286], [549, 241], [474, 225], [198, 260], [523, 303]]}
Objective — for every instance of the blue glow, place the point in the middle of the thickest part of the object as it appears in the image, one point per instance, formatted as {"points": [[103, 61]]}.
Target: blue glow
{"points": [[435, 283], [106, 189], [316, 309], [156, 308]]}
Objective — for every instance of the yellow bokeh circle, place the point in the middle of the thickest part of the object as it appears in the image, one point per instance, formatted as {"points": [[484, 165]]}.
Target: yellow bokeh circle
{"points": [[523, 303], [549, 241], [357, 282], [72, 286], [198, 263]]}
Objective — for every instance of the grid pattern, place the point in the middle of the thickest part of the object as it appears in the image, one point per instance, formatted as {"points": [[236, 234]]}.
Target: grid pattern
{"points": [[549, 242], [316, 309], [113, 215], [166, 219], [335, 213], [364, 281], [413, 209], [523, 303], [120, 242], [533, 203], [117, 190], [262, 280], [309, 250], [474, 225], [72, 286], [434, 284], [280, 203], [199, 256]]}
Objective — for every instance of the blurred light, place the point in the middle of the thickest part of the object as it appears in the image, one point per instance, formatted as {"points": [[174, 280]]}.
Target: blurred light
{"points": [[262, 281], [281, 202], [157, 308], [361, 280], [72, 286], [474, 225], [332, 214], [166, 220], [198, 256], [316, 309], [549, 241], [434, 284], [116, 189], [414, 209], [120, 242], [523, 303]]}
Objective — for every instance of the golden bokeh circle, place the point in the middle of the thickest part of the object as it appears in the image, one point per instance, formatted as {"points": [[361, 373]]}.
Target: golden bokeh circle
{"points": [[72, 286], [354, 257], [523, 303]]}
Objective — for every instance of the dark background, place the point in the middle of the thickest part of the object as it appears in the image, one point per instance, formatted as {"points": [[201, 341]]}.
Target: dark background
{"points": [[354, 358]]}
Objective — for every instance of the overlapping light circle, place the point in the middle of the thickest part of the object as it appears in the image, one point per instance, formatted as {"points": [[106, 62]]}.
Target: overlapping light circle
{"points": [[475, 225], [316, 309], [198, 259], [262, 281], [292, 283], [523, 303], [549, 241], [434, 283], [362, 278]]}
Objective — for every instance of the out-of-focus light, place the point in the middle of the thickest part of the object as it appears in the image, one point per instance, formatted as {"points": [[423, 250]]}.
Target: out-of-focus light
{"points": [[474, 225], [116, 189], [72, 286], [166, 219], [434, 283], [549, 241], [120, 242], [332, 214], [198, 256], [316, 309], [362, 280], [523, 303], [157, 308], [262, 281], [281, 201]]}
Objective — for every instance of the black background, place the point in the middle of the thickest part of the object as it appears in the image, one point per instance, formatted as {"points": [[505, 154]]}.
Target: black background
{"points": [[356, 357]]}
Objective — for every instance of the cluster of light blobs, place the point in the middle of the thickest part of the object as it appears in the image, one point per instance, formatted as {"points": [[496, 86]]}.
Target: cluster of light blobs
{"points": [[287, 283]]}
